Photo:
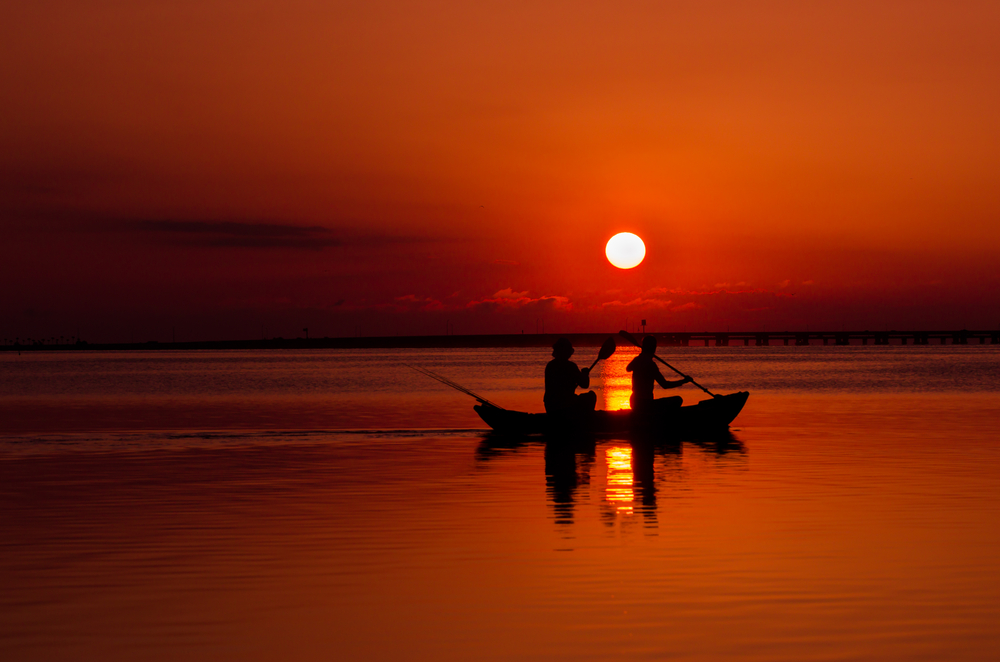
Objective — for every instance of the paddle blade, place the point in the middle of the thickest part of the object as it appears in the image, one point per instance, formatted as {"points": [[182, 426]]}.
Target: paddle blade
{"points": [[607, 349], [629, 337]]}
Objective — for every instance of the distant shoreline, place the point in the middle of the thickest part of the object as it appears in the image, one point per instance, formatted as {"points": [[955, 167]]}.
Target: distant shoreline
{"points": [[365, 342], [696, 339]]}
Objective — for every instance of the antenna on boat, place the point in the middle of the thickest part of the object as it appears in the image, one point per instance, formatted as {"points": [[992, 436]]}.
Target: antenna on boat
{"points": [[457, 387]]}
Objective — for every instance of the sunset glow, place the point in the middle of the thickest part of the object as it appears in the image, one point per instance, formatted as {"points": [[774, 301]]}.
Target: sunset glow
{"points": [[401, 168], [310, 350]]}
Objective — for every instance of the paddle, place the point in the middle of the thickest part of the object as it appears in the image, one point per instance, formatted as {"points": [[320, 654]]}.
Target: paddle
{"points": [[628, 336], [607, 349]]}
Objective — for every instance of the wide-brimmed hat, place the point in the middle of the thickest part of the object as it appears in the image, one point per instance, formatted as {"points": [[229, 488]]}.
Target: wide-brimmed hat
{"points": [[562, 348]]}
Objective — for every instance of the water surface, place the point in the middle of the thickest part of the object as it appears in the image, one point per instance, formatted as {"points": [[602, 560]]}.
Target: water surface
{"points": [[335, 504]]}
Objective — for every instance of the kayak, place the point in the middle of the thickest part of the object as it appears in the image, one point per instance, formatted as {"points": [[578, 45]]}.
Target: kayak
{"points": [[710, 415]]}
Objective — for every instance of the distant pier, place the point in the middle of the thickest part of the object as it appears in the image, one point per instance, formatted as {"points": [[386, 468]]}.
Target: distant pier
{"points": [[672, 339], [802, 338]]}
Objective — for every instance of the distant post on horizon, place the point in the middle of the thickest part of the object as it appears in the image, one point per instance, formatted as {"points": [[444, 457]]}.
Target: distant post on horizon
{"points": [[643, 327]]}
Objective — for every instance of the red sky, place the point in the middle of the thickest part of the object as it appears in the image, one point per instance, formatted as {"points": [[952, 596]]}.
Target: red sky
{"points": [[394, 167]]}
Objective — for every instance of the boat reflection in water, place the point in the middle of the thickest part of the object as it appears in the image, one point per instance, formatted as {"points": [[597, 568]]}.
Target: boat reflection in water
{"points": [[567, 468], [629, 476]]}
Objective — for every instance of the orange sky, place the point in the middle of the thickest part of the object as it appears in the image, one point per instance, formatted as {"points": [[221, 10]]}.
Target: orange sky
{"points": [[216, 167]]}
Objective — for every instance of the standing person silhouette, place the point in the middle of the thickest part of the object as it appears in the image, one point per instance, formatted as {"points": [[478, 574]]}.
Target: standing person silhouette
{"points": [[562, 376], [644, 373]]}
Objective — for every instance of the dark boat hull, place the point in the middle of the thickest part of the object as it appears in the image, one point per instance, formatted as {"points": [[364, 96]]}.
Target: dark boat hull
{"points": [[709, 415]]}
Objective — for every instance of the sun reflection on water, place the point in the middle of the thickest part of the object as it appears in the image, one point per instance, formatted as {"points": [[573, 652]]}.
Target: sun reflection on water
{"points": [[616, 383], [620, 480]]}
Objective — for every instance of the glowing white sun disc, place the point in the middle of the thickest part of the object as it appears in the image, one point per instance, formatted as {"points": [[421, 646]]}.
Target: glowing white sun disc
{"points": [[625, 250]]}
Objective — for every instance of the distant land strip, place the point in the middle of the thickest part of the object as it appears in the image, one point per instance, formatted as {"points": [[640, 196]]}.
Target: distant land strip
{"points": [[695, 339]]}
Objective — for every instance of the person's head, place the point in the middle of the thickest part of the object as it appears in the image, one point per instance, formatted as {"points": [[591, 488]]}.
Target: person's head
{"points": [[649, 345], [562, 348]]}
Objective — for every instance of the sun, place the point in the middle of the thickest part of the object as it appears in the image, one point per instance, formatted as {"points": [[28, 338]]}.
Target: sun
{"points": [[625, 250]]}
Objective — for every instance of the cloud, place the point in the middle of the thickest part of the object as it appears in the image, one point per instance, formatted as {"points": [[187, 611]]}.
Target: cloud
{"points": [[508, 299], [505, 300], [414, 302], [225, 233], [509, 293], [645, 303], [234, 234], [720, 288], [691, 305]]}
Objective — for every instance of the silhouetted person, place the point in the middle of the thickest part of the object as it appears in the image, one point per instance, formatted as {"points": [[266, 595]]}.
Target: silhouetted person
{"points": [[644, 478], [561, 479], [644, 373], [562, 376]]}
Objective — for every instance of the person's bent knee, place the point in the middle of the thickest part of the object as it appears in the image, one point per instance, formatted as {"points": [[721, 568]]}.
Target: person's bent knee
{"points": [[586, 401]]}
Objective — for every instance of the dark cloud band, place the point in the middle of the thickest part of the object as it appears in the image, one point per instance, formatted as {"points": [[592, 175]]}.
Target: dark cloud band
{"points": [[236, 234]]}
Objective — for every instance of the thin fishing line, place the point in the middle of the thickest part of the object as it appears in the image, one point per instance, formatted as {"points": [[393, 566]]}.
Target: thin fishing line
{"points": [[454, 385], [448, 382]]}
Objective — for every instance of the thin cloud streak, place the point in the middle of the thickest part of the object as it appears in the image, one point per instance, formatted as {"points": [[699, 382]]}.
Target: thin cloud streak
{"points": [[219, 233], [237, 234]]}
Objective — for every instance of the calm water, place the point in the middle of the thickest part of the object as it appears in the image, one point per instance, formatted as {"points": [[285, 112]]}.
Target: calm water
{"points": [[338, 505]]}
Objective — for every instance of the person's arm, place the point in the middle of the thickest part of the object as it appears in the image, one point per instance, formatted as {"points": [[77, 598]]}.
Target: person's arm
{"points": [[583, 378], [630, 365], [661, 380]]}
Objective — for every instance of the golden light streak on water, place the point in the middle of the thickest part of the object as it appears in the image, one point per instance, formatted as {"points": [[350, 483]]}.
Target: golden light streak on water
{"points": [[620, 479], [616, 383]]}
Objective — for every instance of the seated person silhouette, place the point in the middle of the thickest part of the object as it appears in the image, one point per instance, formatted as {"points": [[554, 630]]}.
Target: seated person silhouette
{"points": [[644, 373], [562, 376]]}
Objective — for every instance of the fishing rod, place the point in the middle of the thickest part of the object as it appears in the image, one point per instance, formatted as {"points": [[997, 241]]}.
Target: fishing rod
{"points": [[454, 385]]}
